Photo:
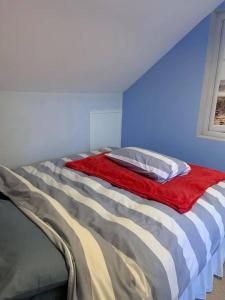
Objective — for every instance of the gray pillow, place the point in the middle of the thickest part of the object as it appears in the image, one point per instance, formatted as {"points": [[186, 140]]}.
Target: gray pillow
{"points": [[151, 164]]}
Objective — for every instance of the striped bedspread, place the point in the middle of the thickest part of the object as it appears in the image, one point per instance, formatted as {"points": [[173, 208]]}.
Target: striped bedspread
{"points": [[117, 245]]}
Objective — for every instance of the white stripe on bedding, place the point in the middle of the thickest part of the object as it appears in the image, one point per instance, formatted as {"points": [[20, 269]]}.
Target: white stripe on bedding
{"points": [[222, 184], [167, 160], [93, 253], [215, 215], [84, 155], [107, 149], [150, 241], [144, 209], [96, 152], [140, 280], [218, 195], [202, 230], [139, 164], [114, 195], [66, 159]]}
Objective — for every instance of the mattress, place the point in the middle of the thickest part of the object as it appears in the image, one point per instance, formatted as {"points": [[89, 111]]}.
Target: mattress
{"points": [[190, 240], [26, 254]]}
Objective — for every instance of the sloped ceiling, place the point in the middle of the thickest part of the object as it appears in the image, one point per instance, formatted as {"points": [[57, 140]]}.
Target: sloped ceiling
{"points": [[89, 45]]}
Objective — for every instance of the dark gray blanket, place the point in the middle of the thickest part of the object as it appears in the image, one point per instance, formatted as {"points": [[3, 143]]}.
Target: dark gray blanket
{"points": [[29, 263]]}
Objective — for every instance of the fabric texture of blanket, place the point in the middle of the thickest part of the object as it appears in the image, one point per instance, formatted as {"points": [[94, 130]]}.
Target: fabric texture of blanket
{"points": [[180, 193]]}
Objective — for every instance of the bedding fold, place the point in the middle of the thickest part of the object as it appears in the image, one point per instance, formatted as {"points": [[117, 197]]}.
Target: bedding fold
{"points": [[25, 267], [85, 250]]}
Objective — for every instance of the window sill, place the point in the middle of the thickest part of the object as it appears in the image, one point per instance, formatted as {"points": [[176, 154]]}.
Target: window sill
{"points": [[212, 135]]}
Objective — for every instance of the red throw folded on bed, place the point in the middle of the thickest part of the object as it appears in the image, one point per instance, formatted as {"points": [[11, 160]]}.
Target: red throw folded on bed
{"points": [[180, 193]]}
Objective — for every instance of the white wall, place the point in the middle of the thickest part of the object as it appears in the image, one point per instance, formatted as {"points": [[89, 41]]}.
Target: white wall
{"points": [[89, 46], [36, 126]]}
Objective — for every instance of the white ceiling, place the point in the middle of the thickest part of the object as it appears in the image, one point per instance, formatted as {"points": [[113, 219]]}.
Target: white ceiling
{"points": [[89, 45]]}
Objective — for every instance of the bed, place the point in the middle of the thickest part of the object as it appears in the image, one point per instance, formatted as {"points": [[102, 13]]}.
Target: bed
{"points": [[145, 249]]}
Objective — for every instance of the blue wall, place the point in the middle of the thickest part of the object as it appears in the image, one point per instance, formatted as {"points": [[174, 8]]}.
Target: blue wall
{"points": [[160, 111]]}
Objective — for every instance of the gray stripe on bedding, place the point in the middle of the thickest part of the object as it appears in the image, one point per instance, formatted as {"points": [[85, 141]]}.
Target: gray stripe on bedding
{"points": [[189, 227], [144, 221], [75, 244], [42, 175], [216, 202], [119, 236], [44, 210], [17, 192], [165, 238], [220, 189], [149, 163], [195, 234], [213, 200], [209, 223], [121, 291], [155, 162], [200, 253], [196, 224], [215, 214]]}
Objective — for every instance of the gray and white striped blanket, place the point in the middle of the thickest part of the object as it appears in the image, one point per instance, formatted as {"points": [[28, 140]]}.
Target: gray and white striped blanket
{"points": [[117, 245]]}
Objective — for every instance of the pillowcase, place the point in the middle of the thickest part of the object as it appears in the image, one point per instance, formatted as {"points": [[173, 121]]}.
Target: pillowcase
{"points": [[151, 164]]}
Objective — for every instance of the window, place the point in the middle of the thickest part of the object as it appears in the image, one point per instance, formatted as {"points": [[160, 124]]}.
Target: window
{"points": [[212, 110]]}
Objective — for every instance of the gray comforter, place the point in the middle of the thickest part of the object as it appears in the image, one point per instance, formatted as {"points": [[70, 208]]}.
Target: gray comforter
{"points": [[26, 272], [116, 244]]}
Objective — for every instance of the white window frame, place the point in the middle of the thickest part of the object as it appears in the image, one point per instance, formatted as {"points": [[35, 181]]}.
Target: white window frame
{"points": [[206, 126]]}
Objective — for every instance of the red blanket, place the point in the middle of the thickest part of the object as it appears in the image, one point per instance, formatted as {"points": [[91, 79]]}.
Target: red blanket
{"points": [[180, 193]]}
